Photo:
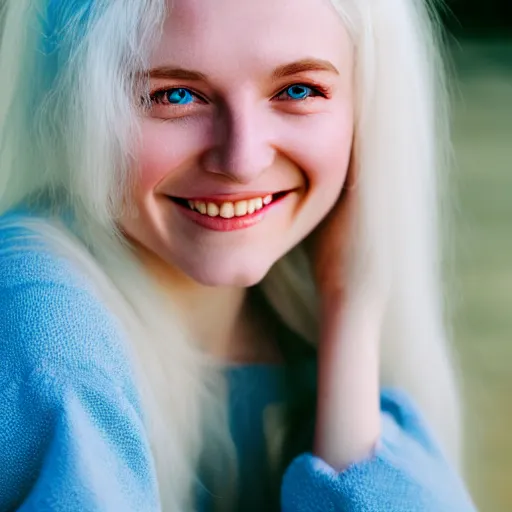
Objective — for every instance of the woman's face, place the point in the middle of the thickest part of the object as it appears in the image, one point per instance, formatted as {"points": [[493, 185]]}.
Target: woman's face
{"points": [[246, 144]]}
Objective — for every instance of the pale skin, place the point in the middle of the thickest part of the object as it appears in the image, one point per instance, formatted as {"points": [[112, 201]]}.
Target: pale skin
{"points": [[240, 131], [348, 413]]}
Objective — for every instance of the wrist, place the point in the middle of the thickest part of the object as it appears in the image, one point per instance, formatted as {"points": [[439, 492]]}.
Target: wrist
{"points": [[335, 303]]}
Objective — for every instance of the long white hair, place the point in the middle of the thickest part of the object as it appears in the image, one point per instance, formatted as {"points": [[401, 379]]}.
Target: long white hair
{"points": [[68, 119]]}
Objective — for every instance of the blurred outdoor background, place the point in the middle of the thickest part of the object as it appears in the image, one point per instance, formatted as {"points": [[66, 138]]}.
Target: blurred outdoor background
{"points": [[481, 45]]}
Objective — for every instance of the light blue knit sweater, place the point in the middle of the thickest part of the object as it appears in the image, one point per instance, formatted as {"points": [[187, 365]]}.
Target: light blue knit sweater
{"points": [[72, 436]]}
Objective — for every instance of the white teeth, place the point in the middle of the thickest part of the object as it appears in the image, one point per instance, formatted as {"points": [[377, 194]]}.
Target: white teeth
{"points": [[228, 209], [241, 208], [201, 207], [212, 209]]}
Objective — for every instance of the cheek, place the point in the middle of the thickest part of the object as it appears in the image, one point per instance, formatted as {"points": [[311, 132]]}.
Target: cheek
{"points": [[332, 161], [324, 153], [164, 149]]}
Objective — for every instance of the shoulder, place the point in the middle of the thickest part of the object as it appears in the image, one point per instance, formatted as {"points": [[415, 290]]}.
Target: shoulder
{"points": [[51, 321], [70, 415]]}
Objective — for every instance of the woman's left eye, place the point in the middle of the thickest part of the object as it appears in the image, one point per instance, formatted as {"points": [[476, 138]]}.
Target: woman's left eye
{"points": [[298, 92]]}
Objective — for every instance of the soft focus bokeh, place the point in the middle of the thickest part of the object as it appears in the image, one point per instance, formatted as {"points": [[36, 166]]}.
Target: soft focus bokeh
{"points": [[480, 279], [482, 291]]}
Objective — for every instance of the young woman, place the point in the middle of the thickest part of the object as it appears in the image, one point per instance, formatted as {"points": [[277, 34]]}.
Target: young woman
{"points": [[219, 282]]}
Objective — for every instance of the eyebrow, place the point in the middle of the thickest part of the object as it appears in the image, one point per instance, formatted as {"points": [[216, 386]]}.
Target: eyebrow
{"points": [[168, 72], [302, 66], [293, 68]]}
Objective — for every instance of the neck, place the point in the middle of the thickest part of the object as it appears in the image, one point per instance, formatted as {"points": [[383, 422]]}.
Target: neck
{"points": [[224, 321]]}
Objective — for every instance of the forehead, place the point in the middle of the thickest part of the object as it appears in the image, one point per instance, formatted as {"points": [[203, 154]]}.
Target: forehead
{"points": [[217, 34]]}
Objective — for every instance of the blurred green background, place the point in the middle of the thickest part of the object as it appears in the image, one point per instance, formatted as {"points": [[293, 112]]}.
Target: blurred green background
{"points": [[481, 45]]}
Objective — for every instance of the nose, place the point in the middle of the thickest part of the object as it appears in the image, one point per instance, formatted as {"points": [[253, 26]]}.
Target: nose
{"points": [[243, 146]]}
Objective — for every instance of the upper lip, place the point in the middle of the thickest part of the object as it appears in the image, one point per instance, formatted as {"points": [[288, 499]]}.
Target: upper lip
{"points": [[216, 198]]}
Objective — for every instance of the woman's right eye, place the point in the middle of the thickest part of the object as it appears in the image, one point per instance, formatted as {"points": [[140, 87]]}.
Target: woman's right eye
{"points": [[176, 96]]}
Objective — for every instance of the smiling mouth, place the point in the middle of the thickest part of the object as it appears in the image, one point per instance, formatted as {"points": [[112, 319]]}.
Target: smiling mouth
{"points": [[230, 209]]}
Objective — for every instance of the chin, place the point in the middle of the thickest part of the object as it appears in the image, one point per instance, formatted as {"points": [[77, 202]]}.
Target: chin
{"points": [[228, 275]]}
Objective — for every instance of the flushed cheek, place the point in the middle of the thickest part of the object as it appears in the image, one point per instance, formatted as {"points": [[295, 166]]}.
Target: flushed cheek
{"points": [[165, 149], [323, 153]]}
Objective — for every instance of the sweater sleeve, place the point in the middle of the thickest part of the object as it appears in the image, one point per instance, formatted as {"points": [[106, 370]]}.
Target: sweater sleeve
{"points": [[407, 473], [71, 430], [75, 445]]}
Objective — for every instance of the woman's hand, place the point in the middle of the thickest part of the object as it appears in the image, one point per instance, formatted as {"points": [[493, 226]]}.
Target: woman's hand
{"points": [[348, 412]]}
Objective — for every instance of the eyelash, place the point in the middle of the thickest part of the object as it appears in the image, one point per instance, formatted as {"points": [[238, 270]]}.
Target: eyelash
{"points": [[158, 96]]}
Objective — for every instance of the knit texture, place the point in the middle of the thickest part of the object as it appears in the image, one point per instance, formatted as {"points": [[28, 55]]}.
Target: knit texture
{"points": [[72, 436]]}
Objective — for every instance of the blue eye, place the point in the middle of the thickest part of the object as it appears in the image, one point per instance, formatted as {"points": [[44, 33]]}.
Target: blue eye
{"points": [[179, 96], [298, 91]]}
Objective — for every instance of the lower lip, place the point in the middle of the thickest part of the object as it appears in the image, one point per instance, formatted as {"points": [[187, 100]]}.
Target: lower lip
{"points": [[219, 223]]}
